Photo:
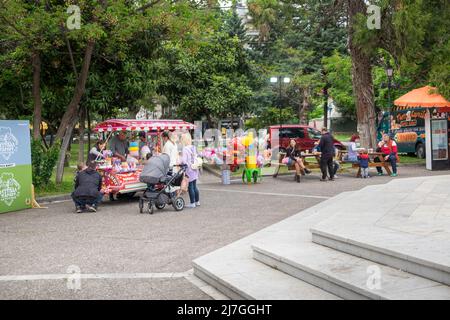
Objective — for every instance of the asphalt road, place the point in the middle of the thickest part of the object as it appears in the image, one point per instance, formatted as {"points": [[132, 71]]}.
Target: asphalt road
{"points": [[126, 255]]}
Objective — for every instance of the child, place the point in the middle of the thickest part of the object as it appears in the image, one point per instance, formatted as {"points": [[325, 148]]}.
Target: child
{"points": [[363, 159]]}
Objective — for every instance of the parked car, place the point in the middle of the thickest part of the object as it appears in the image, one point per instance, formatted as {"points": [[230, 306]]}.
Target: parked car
{"points": [[304, 136]]}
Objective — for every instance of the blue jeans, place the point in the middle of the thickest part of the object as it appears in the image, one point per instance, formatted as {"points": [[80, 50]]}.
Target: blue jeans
{"points": [[393, 160], [85, 201], [194, 195]]}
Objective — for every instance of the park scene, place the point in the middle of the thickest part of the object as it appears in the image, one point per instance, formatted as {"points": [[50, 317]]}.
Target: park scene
{"points": [[224, 150]]}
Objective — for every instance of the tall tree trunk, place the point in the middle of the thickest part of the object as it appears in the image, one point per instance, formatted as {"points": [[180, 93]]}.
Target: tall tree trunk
{"points": [[37, 116], [81, 128], [304, 107], [69, 118], [88, 116], [362, 81], [62, 154], [132, 112]]}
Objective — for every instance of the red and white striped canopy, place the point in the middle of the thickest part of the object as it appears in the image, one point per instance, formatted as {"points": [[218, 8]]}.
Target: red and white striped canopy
{"points": [[142, 125]]}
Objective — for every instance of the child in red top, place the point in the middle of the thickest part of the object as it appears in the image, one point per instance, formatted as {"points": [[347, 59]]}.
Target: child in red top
{"points": [[390, 153], [363, 159]]}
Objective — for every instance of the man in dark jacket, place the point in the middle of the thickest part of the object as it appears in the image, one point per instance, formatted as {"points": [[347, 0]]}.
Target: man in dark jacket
{"points": [[326, 146], [88, 184]]}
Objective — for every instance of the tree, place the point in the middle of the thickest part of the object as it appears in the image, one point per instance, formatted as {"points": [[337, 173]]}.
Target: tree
{"points": [[213, 81]]}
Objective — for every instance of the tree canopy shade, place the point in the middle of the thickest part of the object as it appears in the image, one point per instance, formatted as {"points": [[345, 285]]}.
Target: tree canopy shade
{"points": [[214, 80], [201, 62]]}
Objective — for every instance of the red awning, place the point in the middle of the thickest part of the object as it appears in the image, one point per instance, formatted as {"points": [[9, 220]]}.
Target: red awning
{"points": [[422, 97], [142, 125]]}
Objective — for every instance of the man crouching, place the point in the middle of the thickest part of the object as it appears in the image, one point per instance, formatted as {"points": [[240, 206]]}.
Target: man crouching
{"points": [[88, 184]]}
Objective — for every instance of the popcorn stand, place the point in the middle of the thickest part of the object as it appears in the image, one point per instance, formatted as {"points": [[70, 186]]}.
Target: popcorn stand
{"points": [[437, 124], [122, 178]]}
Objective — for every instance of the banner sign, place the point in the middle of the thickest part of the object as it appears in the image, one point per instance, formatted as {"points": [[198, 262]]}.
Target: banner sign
{"points": [[15, 165]]}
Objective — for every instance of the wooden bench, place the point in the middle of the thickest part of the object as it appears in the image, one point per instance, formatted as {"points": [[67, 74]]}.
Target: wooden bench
{"points": [[307, 164], [372, 164]]}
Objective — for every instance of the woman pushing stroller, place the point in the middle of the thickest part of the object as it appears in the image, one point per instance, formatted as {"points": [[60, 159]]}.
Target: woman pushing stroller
{"points": [[162, 188]]}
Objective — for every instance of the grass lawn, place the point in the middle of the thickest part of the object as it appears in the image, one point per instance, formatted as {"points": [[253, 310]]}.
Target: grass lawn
{"points": [[405, 159], [342, 137], [52, 189], [66, 187], [75, 147]]}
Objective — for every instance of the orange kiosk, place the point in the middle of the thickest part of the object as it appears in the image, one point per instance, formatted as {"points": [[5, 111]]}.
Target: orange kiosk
{"points": [[437, 124]]}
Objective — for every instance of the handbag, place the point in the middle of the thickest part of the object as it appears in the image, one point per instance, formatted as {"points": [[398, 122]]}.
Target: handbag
{"points": [[197, 162], [184, 184]]}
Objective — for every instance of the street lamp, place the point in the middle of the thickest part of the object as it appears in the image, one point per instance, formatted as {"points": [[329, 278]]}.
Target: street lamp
{"points": [[390, 85], [280, 80], [389, 74]]}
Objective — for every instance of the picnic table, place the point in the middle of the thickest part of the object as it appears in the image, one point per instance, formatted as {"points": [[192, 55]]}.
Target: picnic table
{"points": [[372, 164], [304, 156]]}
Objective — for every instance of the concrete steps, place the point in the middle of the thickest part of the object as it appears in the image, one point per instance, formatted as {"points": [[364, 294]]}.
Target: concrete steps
{"points": [[363, 248], [346, 276], [233, 271], [410, 230], [382, 242]]}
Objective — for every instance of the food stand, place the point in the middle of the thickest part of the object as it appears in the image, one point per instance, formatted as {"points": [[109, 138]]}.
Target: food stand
{"points": [[437, 124], [122, 178]]}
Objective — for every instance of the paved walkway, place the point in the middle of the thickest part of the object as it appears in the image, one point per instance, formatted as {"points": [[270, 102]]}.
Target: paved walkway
{"points": [[122, 254]]}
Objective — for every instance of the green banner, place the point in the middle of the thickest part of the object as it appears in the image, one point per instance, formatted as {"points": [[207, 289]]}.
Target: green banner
{"points": [[15, 165]]}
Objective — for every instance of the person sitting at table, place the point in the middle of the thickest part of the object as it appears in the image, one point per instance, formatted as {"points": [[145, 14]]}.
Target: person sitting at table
{"points": [[119, 146], [295, 159], [352, 155], [390, 153]]}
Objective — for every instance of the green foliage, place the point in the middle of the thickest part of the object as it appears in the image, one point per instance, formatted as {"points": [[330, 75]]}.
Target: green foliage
{"points": [[338, 72], [214, 81], [43, 162], [271, 116], [414, 34]]}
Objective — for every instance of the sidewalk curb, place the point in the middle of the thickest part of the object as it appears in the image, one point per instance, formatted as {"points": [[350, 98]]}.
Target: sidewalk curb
{"points": [[50, 199]]}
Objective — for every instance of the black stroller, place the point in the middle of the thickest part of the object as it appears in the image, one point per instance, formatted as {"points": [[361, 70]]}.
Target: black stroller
{"points": [[163, 187]]}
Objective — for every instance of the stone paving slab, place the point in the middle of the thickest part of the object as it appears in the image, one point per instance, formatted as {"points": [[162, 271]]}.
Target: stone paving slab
{"points": [[342, 274], [233, 270], [412, 223]]}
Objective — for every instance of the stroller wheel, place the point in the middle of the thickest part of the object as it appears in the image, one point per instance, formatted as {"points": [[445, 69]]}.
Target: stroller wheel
{"points": [[160, 206], [141, 205], [150, 208], [178, 204]]}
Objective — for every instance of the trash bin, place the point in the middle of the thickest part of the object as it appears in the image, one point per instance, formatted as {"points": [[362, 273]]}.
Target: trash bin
{"points": [[226, 175]]}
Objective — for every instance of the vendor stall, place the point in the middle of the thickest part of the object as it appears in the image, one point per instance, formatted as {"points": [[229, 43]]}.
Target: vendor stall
{"points": [[437, 124], [120, 177]]}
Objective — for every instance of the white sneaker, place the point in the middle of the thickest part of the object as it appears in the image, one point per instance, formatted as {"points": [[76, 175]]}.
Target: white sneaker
{"points": [[197, 204], [191, 205]]}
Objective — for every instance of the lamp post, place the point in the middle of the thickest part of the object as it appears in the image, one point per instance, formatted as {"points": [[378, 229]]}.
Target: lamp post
{"points": [[280, 80], [389, 85], [389, 74]]}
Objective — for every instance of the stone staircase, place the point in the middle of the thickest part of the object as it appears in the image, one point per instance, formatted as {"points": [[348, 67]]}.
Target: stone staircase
{"points": [[387, 241]]}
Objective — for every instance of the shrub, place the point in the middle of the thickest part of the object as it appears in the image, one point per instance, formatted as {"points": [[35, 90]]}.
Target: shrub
{"points": [[43, 162]]}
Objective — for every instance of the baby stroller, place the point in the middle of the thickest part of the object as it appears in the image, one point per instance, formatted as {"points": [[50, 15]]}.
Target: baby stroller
{"points": [[162, 187]]}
